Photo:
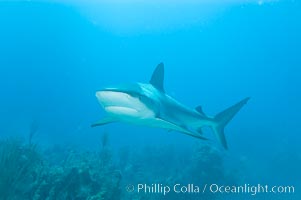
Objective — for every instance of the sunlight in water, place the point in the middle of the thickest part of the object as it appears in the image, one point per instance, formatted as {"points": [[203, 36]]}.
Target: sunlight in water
{"points": [[144, 16]]}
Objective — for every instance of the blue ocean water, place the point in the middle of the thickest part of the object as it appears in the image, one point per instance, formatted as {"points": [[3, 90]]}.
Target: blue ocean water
{"points": [[55, 55]]}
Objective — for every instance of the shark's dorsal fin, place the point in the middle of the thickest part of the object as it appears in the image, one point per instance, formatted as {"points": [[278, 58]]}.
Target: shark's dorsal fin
{"points": [[157, 79]]}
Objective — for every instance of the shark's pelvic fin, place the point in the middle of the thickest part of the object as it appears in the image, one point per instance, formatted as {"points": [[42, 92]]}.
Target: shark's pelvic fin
{"points": [[103, 121], [223, 118], [157, 79], [171, 126]]}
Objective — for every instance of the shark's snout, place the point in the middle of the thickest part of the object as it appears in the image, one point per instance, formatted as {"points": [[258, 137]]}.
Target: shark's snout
{"points": [[108, 98], [102, 95], [99, 94]]}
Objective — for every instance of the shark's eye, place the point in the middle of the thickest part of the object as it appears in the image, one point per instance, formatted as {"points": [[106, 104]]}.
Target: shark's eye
{"points": [[140, 97], [137, 95]]}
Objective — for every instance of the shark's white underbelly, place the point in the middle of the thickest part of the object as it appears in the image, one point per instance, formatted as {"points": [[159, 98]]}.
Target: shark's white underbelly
{"points": [[129, 114]]}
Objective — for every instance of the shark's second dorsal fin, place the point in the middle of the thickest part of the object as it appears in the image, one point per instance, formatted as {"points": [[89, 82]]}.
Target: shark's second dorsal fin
{"points": [[199, 109], [157, 79]]}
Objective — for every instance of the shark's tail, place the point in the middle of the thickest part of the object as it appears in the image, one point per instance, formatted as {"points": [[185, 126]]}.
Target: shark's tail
{"points": [[222, 119]]}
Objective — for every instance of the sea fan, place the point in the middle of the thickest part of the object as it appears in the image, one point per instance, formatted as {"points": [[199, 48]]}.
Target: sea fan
{"points": [[19, 167]]}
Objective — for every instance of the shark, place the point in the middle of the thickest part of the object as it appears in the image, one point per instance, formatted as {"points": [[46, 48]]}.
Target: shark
{"points": [[147, 104]]}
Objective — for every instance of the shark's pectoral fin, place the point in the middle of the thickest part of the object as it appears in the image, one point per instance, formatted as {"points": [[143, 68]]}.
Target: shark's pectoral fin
{"points": [[171, 126], [103, 121]]}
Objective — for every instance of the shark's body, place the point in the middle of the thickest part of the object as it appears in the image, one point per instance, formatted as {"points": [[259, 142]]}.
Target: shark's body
{"points": [[148, 104]]}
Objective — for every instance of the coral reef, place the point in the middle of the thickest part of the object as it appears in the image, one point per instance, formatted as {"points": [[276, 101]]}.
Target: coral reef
{"points": [[31, 173]]}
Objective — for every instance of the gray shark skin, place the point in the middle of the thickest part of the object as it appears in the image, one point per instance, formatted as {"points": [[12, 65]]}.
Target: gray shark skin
{"points": [[147, 104]]}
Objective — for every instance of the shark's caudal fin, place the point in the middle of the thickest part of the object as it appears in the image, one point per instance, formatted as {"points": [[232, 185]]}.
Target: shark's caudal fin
{"points": [[223, 118]]}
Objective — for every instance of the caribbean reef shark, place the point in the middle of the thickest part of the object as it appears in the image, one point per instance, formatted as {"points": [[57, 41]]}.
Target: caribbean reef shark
{"points": [[147, 104]]}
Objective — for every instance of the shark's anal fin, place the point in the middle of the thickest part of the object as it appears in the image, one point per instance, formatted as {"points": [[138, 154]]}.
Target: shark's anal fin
{"points": [[103, 121], [157, 79], [200, 131]]}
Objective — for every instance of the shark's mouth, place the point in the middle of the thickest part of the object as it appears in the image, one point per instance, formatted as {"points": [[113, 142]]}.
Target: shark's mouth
{"points": [[114, 98], [121, 103]]}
